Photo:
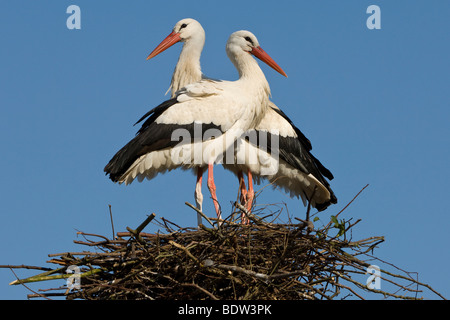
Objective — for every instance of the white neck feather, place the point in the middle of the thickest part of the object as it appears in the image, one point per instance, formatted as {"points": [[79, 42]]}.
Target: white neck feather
{"points": [[188, 68], [252, 78], [248, 69]]}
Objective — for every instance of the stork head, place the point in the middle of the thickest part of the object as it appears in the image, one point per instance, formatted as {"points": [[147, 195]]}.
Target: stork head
{"points": [[242, 40], [186, 30], [245, 41], [189, 28]]}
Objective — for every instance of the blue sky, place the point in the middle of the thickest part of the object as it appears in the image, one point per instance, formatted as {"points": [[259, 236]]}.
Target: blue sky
{"points": [[374, 104]]}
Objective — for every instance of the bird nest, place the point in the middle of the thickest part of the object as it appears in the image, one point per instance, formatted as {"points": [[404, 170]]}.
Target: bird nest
{"points": [[264, 259]]}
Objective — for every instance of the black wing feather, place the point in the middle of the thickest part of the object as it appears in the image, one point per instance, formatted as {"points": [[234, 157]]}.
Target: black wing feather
{"points": [[151, 137], [296, 151], [305, 147]]}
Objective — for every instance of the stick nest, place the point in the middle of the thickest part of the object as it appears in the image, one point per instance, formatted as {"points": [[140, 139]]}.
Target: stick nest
{"points": [[259, 260]]}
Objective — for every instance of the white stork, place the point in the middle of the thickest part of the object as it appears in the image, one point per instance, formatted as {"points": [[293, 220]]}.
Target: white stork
{"points": [[197, 126], [291, 166], [187, 71]]}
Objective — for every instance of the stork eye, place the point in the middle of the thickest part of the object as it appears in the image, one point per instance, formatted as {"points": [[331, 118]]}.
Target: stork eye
{"points": [[184, 25], [249, 40]]}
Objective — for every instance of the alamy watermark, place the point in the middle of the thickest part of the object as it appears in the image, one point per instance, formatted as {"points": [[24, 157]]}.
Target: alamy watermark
{"points": [[74, 20], [374, 20], [235, 146], [73, 282], [374, 280]]}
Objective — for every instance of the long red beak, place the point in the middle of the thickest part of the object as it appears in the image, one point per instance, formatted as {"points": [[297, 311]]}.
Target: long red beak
{"points": [[169, 41], [263, 56]]}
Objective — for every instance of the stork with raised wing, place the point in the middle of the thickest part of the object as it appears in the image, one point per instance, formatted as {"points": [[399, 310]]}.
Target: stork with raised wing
{"points": [[202, 121], [290, 166]]}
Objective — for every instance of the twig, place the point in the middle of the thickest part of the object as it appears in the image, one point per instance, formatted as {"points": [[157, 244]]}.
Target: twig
{"points": [[112, 222], [308, 210], [22, 266], [199, 212], [22, 283], [136, 233], [201, 289], [258, 275], [179, 246], [54, 277], [354, 198]]}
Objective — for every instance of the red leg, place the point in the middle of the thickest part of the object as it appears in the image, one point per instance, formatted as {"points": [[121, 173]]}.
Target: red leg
{"points": [[212, 189], [242, 188], [198, 194], [250, 193], [243, 196]]}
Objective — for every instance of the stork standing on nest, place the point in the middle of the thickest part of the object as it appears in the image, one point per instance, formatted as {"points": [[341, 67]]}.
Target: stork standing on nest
{"points": [[187, 71], [290, 165], [201, 121]]}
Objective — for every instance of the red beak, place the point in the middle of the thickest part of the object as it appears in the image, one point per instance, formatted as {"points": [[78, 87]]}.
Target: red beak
{"points": [[263, 56], [169, 41]]}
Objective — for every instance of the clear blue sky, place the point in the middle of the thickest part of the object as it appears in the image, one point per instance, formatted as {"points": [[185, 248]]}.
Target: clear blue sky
{"points": [[374, 103]]}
